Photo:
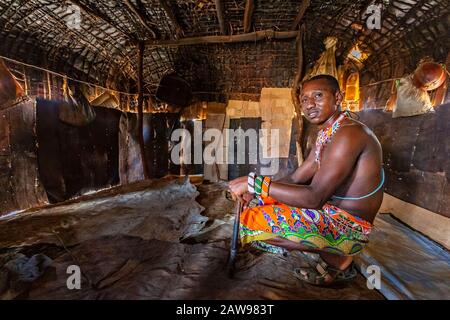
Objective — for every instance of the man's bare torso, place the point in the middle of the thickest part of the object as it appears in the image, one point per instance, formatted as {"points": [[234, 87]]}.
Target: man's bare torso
{"points": [[364, 178]]}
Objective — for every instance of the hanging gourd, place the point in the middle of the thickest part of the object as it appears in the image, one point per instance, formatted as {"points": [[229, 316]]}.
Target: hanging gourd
{"points": [[412, 96]]}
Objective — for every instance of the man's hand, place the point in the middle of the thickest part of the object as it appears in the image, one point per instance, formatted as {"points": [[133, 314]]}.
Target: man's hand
{"points": [[238, 187]]}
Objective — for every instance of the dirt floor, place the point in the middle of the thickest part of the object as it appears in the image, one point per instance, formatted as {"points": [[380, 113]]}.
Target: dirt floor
{"points": [[150, 240]]}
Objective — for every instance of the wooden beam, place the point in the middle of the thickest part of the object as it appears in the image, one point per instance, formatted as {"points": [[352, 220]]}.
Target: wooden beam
{"points": [[140, 17], [299, 73], [301, 12], [249, 6], [246, 37], [168, 9], [220, 16], [141, 50], [295, 99]]}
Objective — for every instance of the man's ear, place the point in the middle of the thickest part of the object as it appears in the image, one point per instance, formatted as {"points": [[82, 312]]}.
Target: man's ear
{"points": [[339, 96]]}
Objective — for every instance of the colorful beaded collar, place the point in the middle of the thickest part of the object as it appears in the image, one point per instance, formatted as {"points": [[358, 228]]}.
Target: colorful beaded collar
{"points": [[324, 136]]}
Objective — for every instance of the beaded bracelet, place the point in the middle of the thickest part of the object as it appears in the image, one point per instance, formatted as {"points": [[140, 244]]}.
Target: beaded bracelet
{"points": [[251, 182], [258, 185], [265, 187]]}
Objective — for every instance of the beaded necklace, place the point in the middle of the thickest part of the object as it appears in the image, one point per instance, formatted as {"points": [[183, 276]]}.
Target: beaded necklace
{"points": [[324, 136]]}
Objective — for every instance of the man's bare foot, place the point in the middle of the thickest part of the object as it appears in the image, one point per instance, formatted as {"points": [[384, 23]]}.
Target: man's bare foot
{"points": [[336, 261]]}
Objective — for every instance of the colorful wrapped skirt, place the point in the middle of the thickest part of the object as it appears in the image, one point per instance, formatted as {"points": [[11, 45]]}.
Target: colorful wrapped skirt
{"points": [[329, 229]]}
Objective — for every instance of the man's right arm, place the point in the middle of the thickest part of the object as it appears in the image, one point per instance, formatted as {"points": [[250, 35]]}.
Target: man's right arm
{"points": [[304, 173]]}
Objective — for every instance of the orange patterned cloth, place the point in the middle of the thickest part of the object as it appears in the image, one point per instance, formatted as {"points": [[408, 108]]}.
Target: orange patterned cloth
{"points": [[329, 229]]}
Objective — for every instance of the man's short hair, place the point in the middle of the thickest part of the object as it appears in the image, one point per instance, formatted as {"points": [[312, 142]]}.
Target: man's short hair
{"points": [[331, 81]]}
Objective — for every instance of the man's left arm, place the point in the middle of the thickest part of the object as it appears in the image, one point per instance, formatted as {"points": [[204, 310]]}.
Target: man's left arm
{"points": [[338, 161]]}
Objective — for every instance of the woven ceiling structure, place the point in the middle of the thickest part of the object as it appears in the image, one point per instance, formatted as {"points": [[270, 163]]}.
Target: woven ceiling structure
{"points": [[103, 47]]}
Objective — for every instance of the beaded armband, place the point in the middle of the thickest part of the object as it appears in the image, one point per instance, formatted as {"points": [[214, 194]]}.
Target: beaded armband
{"points": [[251, 182]]}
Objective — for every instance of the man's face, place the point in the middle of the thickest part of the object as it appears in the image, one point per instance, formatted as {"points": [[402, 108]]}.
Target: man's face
{"points": [[318, 101]]}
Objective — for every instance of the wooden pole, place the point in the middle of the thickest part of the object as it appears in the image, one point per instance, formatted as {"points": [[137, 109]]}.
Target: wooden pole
{"points": [[141, 17], [249, 6], [301, 12], [168, 9], [234, 239], [246, 37], [295, 98], [220, 16], [141, 49]]}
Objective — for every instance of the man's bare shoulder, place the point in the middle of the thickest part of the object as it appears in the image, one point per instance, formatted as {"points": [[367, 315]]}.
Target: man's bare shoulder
{"points": [[356, 127], [353, 135], [357, 131]]}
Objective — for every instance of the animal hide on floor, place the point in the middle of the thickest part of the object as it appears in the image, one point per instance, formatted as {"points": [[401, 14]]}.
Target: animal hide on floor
{"points": [[126, 241]]}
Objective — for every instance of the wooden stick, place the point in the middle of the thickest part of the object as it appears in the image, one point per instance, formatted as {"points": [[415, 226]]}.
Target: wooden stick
{"points": [[301, 12], [168, 9], [245, 37], [249, 6], [220, 16], [235, 239], [141, 49], [140, 16], [295, 99]]}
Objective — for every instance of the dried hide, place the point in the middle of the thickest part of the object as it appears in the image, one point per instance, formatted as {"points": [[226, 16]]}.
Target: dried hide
{"points": [[107, 100], [163, 209], [10, 89], [327, 61], [126, 242], [75, 108]]}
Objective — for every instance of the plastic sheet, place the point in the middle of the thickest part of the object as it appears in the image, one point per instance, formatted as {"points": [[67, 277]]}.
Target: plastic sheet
{"points": [[412, 266]]}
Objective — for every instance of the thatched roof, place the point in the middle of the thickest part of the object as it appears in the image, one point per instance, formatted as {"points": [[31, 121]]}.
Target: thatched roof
{"points": [[104, 49]]}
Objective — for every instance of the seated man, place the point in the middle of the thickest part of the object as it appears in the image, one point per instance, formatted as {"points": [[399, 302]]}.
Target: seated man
{"points": [[327, 206]]}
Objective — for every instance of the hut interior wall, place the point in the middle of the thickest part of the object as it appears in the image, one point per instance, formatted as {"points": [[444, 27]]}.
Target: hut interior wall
{"points": [[415, 152], [44, 160], [157, 130], [75, 160], [19, 180]]}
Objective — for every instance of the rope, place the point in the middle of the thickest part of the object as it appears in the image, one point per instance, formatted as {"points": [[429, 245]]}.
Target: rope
{"points": [[378, 82], [66, 77]]}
